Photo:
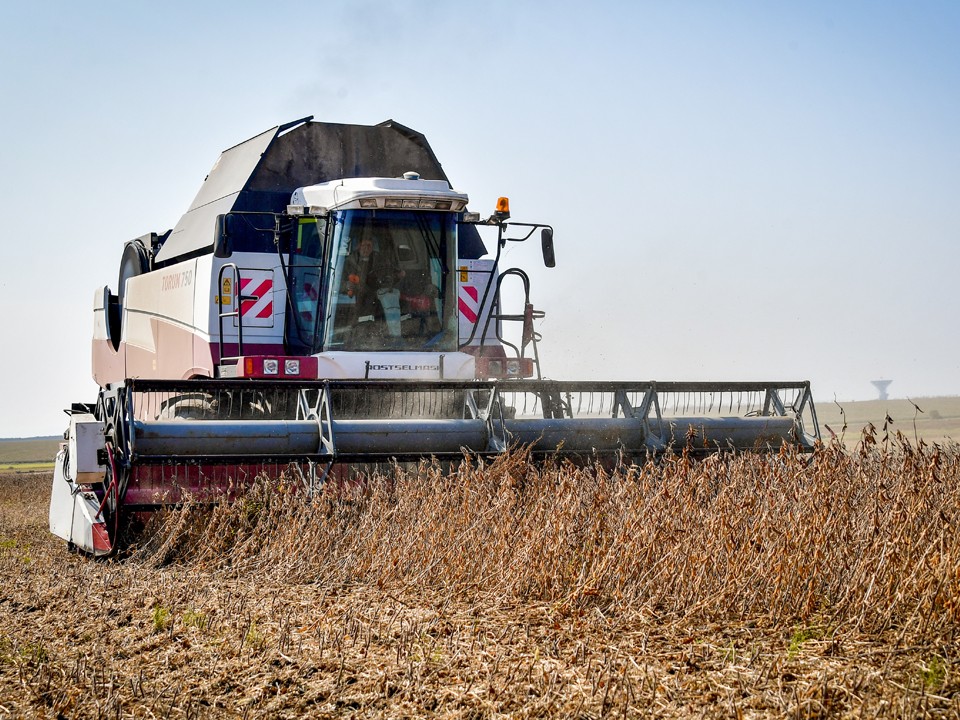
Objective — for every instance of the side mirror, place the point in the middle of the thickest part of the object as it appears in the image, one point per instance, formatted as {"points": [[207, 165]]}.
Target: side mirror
{"points": [[546, 242], [221, 237]]}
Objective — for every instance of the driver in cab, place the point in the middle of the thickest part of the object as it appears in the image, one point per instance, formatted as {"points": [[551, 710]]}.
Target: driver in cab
{"points": [[368, 274]]}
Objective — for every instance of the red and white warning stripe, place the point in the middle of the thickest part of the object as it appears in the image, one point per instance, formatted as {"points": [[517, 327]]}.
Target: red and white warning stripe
{"points": [[469, 302], [257, 284], [475, 276]]}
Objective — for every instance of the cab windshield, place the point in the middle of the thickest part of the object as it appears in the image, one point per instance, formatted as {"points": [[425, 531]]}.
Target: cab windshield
{"points": [[389, 284]]}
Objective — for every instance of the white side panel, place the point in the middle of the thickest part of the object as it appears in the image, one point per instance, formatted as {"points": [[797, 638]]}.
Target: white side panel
{"points": [[261, 276], [171, 314], [74, 511], [100, 313], [203, 291], [86, 438], [474, 277], [61, 499], [395, 366], [165, 295], [107, 364]]}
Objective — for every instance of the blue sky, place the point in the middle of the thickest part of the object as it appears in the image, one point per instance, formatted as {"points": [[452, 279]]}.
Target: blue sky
{"points": [[742, 190]]}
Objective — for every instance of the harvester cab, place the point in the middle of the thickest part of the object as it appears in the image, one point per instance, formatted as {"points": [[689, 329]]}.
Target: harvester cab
{"points": [[372, 284], [325, 303]]}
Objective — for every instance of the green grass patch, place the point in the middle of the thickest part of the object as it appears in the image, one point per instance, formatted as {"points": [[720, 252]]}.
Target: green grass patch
{"points": [[934, 673], [193, 618], [800, 636], [161, 618], [27, 466]]}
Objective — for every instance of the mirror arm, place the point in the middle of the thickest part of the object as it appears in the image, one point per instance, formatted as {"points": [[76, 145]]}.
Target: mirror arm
{"points": [[221, 239]]}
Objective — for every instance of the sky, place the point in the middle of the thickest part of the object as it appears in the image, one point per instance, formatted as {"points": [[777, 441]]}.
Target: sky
{"points": [[738, 190]]}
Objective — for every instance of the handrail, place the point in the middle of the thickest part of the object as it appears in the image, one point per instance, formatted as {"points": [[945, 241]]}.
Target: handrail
{"points": [[233, 313]]}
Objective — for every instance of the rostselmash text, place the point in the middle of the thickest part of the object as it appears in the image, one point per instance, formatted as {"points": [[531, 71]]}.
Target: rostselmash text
{"points": [[404, 367]]}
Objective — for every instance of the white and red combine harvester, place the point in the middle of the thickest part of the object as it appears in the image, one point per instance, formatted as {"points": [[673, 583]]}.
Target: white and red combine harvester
{"points": [[325, 303]]}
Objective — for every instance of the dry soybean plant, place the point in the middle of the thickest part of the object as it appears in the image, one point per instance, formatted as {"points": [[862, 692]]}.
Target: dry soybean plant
{"points": [[865, 540]]}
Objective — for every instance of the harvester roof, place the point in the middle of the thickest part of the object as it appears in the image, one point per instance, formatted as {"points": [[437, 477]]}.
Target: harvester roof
{"points": [[405, 192], [260, 174]]}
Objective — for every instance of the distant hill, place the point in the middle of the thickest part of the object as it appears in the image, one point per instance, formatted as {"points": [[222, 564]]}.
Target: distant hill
{"points": [[55, 438], [29, 450], [932, 419]]}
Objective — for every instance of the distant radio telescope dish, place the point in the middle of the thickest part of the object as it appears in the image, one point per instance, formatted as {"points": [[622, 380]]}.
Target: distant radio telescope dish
{"points": [[881, 386]]}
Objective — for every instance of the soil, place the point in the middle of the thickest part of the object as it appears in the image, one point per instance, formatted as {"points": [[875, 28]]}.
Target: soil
{"points": [[122, 638]]}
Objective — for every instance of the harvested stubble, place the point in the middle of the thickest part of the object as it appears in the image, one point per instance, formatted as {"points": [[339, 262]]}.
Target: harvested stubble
{"points": [[760, 585]]}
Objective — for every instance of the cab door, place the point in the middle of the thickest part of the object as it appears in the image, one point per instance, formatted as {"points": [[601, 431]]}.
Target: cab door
{"points": [[305, 278]]}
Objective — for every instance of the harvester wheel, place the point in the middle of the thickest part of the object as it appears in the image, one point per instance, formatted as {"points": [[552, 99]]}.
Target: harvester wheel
{"points": [[192, 406], [204, 406], [134, 261]]}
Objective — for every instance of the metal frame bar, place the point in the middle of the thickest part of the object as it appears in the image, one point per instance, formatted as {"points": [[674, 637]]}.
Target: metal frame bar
{"points": [[485, 401], [532, 386]]}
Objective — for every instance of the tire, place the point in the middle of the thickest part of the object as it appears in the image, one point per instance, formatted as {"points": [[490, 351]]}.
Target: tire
{"points": [[134, 261]]}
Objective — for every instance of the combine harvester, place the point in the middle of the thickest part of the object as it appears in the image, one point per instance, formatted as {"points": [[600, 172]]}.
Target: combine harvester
{"points": [[324, 303]]}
